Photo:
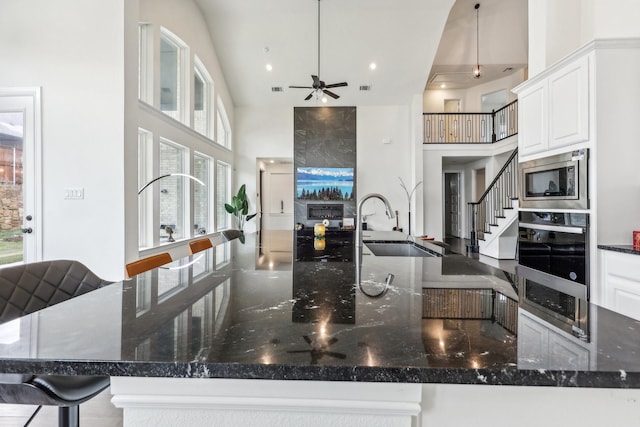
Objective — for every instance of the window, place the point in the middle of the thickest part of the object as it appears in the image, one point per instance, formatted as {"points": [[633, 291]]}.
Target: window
{"points": [[223, 132], [223, 191], [201, 201], [174, 81], [145, 199], [202, 91], [145, 61], [171, 58], [172, 192]]}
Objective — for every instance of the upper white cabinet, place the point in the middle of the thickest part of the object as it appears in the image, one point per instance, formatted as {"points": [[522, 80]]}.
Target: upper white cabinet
{"points": [[555, 109], [569, 104], [533, 117]]}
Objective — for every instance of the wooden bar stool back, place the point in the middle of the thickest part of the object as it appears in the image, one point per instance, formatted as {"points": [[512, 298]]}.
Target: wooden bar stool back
{"points": [[199, 246], [145, 264]]}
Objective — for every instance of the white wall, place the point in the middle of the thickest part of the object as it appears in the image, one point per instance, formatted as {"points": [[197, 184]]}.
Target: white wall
{"points": [[383, 152], [557, 28], [259, 133], [51, 44]]}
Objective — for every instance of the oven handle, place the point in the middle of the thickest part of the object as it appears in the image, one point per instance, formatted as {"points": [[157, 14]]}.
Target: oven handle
{"points": [[558, 228]]}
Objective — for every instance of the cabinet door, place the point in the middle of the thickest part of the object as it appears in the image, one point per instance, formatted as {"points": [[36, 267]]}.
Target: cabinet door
{"points": [[532, 120], [566, 354], [533, 343], [569, 104], [621, 282]]}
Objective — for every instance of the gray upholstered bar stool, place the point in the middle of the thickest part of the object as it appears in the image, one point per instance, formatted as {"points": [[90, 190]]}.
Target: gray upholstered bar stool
{"points": [[25, 289]]}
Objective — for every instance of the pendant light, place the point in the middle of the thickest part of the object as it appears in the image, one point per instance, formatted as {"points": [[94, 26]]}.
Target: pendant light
{"points": [[476, 69]]}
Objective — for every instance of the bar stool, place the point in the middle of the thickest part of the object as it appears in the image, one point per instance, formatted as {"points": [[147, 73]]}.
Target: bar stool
{"points": [[25, 289], [66, 392]]}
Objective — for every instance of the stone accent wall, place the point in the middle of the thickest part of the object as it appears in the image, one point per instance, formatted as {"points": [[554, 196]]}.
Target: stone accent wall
{"points": [[324, 137], [11, 206]]}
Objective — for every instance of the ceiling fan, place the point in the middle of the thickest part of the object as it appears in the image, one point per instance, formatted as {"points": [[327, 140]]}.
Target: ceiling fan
{"points": [[318, 85]]}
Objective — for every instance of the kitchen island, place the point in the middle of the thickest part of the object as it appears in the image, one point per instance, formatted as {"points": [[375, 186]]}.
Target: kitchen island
{"points": [[195, 342]]}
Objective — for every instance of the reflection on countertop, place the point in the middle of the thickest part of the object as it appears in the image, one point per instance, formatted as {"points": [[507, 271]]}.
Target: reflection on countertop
{"points": [[220, 315]]}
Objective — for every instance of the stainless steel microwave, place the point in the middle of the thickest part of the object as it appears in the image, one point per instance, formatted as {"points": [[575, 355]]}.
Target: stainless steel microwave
{"points": [[555, 182]]}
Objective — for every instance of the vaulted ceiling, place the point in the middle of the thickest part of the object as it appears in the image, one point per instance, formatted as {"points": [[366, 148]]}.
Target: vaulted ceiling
{"points": [[402, 37]]}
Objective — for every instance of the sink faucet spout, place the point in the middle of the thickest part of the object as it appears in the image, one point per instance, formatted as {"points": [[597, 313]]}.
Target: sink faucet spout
{"points": [[389, 212]]}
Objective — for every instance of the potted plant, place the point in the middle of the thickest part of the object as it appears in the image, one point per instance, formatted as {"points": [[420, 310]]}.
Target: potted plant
{"points": [[239, 207]]}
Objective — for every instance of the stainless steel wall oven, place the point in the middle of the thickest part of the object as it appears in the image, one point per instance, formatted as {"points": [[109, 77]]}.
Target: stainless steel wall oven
{"points": [[553, 250]]}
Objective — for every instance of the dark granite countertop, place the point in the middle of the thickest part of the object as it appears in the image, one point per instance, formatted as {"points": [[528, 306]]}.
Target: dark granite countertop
{"points": [[225, 313], [626, 249]]}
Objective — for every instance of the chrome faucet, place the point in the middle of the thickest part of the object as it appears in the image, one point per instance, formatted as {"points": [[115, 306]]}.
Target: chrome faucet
{"points": [[389, 212], [358, 254]]}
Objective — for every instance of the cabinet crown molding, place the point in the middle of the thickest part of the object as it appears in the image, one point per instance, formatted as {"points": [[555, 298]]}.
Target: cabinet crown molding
{"points": [[593, 45]]}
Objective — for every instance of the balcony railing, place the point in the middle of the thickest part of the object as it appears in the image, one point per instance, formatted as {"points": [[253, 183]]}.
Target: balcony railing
{"points": [[471, 128]]}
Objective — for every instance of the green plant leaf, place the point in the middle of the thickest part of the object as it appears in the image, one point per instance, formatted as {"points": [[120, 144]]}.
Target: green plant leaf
{"points": [[242, 192], [250, 217], [229, 208]]}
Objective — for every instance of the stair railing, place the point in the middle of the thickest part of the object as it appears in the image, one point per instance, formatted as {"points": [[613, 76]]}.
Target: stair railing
{"points": [[498, 196], [471, 128]]}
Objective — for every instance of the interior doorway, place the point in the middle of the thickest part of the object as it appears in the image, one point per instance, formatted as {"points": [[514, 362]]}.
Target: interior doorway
{"points": [[480, 184], [451, 105], [275, 196], [452, 204]]}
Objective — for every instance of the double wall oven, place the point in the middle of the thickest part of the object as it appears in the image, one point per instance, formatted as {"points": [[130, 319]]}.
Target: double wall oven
{"points": [[553, 241]]}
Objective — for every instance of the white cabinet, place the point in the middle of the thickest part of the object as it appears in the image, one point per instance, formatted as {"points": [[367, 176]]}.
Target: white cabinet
{"points": [[620, 282], [554, 107], [569, 104], [532, 118], [543, 346]]}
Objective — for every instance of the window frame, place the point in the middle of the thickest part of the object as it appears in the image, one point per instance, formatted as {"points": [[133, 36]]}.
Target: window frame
{"points": [[209, 181], [222, 121], [223, 218], [183, 84], [200, 71]]}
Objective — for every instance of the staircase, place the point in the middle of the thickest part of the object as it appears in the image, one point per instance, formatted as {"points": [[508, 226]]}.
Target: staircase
{"points": [[494, 218]]}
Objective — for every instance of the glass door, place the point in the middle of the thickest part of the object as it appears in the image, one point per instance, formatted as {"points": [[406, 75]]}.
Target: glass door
{"points": [[19, 129]]}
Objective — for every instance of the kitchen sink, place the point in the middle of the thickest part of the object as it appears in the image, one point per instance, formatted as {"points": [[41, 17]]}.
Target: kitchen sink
{"points": [[398, 249]]}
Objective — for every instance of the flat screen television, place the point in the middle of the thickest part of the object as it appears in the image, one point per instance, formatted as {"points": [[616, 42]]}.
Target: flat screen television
{"points": [[324, 183]]}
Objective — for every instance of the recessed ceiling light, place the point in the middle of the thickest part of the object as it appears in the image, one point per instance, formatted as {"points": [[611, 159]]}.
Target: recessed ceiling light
{"points": [[373, 66], [324, 99], [269, 67], [272, 161], [442, 86]]}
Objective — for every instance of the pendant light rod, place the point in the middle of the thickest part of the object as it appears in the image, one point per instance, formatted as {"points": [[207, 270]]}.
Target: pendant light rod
{"points": [[318, 38], [476, 70]]}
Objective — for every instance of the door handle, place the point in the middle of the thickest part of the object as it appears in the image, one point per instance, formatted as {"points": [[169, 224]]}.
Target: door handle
{"points": [[27, 230]]}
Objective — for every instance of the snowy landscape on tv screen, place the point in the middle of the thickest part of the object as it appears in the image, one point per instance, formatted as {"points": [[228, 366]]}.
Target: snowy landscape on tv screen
{"points": [[324, 183]]}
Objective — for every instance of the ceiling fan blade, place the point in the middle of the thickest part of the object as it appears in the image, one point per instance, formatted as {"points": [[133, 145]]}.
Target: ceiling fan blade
{"points": [[301, 87], [309, 96], [316, 81], [337, 85], [331, 94]]}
